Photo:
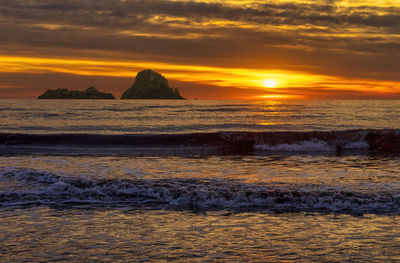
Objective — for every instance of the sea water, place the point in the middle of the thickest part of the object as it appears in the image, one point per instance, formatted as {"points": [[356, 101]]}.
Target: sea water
{"points": [[85, 198], [191, 116]]}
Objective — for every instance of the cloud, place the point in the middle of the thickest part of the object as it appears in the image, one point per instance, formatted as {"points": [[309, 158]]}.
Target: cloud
{"points": [[128, 13], [359, 40]]}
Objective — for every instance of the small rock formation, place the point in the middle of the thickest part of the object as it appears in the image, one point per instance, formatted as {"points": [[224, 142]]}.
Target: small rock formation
{"points": [[89, 93], [151, 85]]}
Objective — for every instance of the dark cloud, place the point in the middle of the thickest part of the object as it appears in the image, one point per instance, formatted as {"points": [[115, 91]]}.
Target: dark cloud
{"points": [[130, 12]]}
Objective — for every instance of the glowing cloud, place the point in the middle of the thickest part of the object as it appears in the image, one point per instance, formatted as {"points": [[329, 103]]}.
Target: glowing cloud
{"points": [[270, 83]]}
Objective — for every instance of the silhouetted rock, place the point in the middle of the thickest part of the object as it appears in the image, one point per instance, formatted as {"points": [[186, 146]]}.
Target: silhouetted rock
{"points": [[150, 85], [89, 93]]}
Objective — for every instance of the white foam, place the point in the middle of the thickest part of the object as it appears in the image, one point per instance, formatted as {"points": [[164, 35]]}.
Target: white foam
{"points": [[356, 145], [218, 194], [304, 146], [312, 146]]}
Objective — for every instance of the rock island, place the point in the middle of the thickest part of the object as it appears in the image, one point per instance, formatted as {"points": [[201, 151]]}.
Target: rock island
{"points": [[89, 93], [151, 85]]}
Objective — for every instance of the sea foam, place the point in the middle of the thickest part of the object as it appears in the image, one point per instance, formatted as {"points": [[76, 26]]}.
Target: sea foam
{"points": [[50, 189]]}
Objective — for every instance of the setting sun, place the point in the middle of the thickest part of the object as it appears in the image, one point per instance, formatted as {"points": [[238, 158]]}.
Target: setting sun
{"points": [[270, 83]]}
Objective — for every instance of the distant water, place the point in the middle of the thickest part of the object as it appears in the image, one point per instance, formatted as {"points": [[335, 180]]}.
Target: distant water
{"points": [[151, 181], [192, 116]]}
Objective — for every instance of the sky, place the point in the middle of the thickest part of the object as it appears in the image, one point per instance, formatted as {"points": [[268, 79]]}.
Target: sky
{"points": [[326, 49]]}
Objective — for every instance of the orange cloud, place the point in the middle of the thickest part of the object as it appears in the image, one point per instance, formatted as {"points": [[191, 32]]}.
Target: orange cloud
{"points": [[290, 84]]}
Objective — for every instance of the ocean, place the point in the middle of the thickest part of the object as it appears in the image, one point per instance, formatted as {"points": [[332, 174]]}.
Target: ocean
{"points": [[199, 181]]}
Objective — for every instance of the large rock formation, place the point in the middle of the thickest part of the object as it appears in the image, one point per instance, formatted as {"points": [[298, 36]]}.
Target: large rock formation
{"points": [[89, 93], [151, 85]]}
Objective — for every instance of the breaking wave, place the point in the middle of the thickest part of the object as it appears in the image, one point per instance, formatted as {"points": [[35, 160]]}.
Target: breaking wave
{"points": [[312, 146], [42, 188], [380, 142]]}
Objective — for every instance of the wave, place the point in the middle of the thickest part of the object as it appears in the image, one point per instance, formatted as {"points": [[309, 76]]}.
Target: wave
{"points": [[377, 142], [313, 146], [49, 189]]}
